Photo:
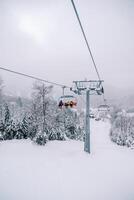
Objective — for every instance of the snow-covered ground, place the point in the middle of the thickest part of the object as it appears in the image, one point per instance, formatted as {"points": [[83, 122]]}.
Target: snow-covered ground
{"points": [[63, 171]]}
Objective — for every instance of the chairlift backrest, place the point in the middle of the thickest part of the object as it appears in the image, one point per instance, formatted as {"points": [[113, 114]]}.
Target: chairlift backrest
{"points": [[66, 96], [103, 108]]}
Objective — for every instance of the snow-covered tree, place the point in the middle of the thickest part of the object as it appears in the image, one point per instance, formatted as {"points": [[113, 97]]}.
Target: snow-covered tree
{"points": [[41, 105], [130, 132], [6, 114], [122, 131], [26, 128], [1, 98], [40, 138], [19, 132], [9, 131], [2, 128], [67, 119], [43, 121]]}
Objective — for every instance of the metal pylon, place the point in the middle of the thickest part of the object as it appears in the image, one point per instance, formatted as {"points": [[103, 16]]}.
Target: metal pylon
{"points": [[92, 87]]}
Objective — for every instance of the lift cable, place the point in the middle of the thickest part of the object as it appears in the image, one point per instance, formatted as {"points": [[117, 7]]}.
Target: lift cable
{"points": [[83, 32], [33, 77], [89, 49]]}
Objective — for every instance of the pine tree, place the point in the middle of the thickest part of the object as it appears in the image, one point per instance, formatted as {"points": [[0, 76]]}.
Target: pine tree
{"points": [[19, 131], [6, 114], [1, 98], [10, 130], [32, 127], [67, 121], [24, 128], [2, 128]]}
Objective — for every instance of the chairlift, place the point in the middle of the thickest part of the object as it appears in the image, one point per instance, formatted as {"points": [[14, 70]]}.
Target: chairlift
{"points": [[103, 108], [67, 101]]}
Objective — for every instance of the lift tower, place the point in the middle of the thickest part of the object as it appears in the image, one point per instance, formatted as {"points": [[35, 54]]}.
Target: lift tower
{"points": [[92, 87]]}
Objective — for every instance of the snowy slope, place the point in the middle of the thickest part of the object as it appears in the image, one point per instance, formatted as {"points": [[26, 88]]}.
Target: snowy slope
{"points": [[62, 171]]}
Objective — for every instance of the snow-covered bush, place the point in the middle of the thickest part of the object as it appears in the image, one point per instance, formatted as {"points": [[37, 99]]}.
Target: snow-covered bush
{"points": [[56, 134], [60, 135], [122, 130], [80, 133], [40, 138], [9, 131], [114, 113], [71, 132], [68, 120]]}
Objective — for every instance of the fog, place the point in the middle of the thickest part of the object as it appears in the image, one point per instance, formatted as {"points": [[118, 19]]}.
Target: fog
{"points": [[43, 38]]}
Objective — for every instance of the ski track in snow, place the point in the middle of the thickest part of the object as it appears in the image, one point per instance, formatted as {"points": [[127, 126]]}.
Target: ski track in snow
{"points": [[63, 171]]}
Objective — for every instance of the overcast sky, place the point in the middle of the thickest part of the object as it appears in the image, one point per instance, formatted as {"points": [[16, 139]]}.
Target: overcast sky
{"points": [[43, 38]]}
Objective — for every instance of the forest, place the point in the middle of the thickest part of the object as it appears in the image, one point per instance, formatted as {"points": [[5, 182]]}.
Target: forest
{"points": [[38, 118]]}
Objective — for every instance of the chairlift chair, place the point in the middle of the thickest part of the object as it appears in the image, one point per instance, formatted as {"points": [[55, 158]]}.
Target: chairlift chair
{"points": [[104, 108], [67, 101]]}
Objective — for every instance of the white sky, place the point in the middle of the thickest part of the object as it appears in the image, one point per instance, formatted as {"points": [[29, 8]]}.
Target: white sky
{"points": [[43, 38]]}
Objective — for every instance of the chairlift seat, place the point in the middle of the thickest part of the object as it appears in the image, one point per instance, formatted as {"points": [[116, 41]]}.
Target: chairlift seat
{"points": [[67, 101]]}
